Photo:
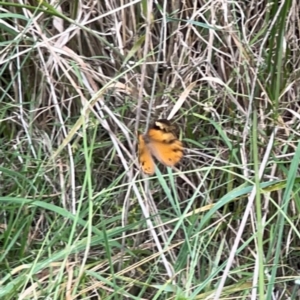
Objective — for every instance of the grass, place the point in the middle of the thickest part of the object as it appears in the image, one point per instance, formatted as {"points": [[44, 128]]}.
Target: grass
{"points": [[79, 220]]}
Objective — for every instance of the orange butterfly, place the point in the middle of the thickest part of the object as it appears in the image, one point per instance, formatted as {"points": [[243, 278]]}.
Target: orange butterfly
{"points": [[161, 142]]}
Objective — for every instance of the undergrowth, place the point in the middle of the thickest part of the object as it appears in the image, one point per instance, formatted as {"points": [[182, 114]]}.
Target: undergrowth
{"points": [[79, 80]]}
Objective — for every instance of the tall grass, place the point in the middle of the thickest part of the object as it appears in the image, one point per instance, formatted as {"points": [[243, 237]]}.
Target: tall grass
{"points": [[79, 79]]}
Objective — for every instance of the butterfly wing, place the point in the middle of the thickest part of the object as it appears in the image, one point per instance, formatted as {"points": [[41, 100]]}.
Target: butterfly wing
{"points": [[168, 154], [160, 136], [160, 141], [145, 158], [165, 147]]}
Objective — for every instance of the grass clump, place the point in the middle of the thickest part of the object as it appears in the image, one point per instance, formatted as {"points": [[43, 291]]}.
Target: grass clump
{"points": [[79, 79]]}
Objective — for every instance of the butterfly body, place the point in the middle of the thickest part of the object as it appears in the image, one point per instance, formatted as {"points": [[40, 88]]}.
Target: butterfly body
{"points": [[161, 142]]}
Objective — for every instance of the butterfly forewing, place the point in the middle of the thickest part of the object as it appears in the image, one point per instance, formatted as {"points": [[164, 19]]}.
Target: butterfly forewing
{"points": [[160, 136]]}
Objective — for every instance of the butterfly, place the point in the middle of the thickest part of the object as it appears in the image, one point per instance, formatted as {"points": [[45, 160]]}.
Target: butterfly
{"points": [[161, 142]]}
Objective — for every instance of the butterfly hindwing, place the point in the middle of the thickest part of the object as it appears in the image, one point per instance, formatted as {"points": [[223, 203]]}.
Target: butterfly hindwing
{"points": [[168, 154], [145, 158]]}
